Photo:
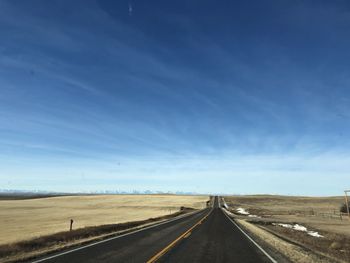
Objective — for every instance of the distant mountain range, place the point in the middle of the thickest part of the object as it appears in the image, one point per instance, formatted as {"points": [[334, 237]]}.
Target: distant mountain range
{"points": [[16, 192]]}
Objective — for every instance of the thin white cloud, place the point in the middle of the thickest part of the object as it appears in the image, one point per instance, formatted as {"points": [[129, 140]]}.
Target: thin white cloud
{"points": [[130, 9]]}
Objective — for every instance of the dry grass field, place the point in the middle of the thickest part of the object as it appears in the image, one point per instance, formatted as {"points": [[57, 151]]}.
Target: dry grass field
{"points": [[321, 213], [29, 218]]}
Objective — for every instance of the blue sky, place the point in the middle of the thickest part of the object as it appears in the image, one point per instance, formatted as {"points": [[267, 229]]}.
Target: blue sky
{"points": [[230, 97]]}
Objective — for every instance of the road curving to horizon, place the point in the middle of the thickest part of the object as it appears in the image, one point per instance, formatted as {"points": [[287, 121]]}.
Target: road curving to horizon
{"points": [[206, 236]]}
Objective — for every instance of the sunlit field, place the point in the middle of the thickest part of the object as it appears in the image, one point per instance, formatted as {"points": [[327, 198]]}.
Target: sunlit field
{"points": [[25, 219]]}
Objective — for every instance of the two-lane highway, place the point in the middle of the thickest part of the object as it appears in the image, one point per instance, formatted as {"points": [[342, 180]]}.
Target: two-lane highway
{"points": [[135, 247], [206, 236], [216, 240]]}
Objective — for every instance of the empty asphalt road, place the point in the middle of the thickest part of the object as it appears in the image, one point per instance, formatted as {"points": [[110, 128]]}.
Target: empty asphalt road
{"points": [[206, 236], [217, 239]]}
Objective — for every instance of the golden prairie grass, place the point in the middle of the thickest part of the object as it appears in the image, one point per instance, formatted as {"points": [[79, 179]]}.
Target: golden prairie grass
{"points": [[30, 218]]}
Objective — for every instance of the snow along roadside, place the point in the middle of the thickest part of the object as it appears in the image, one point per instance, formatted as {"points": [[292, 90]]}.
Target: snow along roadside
{"points": [[298, 227], [292, 252]]}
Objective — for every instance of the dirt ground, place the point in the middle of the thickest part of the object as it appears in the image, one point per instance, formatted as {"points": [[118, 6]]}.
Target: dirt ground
{"points": [[29, 218]]}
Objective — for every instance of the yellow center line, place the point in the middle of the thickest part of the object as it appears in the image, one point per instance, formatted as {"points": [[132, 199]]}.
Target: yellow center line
{"points": [[188, 234], [172, 244]]}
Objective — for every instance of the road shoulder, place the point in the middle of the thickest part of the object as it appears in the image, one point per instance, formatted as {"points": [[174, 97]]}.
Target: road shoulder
{"points": [[282, 250]]}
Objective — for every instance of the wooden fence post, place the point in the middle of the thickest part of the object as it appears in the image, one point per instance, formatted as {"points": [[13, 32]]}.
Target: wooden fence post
{"points": [[71, 225]]}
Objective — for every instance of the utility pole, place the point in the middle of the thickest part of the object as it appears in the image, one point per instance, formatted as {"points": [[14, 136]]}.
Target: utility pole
{"points": [[347, 202]]}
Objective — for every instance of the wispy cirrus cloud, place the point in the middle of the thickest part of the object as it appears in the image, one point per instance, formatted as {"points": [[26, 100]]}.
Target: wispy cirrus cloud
{"points": [[174, 99]]}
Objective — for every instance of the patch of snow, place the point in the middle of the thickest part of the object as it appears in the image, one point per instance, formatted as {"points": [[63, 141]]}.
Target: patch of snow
{"points": [[283, 225], [254, 216], [298, 227], [314, 234], [242, 211], [224, 203]]}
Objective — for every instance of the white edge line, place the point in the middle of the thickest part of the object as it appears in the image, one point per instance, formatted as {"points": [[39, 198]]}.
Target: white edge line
{"points": [[256, 244], [116, 237]]}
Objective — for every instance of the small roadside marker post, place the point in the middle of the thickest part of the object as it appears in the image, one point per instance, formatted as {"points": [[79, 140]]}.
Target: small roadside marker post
{"points": [[71, 225]]}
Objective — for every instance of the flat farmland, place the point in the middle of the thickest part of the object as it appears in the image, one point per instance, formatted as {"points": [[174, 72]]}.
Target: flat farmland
{"points": [[29, 218]]}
